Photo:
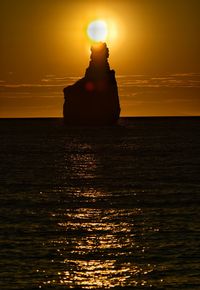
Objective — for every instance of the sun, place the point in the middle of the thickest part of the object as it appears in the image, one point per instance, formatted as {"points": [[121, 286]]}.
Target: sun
{"points": [[97, 30]]}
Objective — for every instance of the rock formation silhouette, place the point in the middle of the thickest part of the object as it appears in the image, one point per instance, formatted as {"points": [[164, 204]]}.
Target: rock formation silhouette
{"points": [[93, 100]]}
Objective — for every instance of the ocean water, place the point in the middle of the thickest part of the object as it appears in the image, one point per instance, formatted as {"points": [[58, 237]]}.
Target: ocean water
{"points": [[100, 208]]}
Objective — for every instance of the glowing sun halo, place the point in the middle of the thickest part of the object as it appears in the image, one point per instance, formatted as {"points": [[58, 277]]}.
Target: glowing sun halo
{"points": [[97, 30]]}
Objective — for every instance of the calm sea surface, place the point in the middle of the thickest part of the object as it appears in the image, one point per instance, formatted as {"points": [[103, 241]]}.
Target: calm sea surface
{"points": [[97, 208]]}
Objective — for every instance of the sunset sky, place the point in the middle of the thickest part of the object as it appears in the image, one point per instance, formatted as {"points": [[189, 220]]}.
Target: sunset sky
{"points": [[155, 52]]}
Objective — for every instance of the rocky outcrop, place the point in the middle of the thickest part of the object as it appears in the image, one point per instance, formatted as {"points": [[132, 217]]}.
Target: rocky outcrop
{"points": [[93, 100]]}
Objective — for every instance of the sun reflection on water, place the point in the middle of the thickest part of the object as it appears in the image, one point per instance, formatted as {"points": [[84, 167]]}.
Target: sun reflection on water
{"points": [[99, 248], [98, 273], [81, 165], [95, 244]]}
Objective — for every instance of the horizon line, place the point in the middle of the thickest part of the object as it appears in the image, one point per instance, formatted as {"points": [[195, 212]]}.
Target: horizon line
{"points": [[153, 116]]}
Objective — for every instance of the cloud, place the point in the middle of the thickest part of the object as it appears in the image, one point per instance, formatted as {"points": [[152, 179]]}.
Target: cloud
{"points": [[173, 80], [170, 81], [53, 79], [141, 94], [136, 88]]}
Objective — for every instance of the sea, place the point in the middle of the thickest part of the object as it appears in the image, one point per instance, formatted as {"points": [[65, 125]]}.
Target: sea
{"points": [[100, 207]]}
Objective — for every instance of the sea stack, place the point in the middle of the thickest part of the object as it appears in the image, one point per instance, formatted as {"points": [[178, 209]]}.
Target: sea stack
{"points": [[93, 100]]}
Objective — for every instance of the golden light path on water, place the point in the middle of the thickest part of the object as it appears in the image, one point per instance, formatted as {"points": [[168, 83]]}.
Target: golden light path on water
{"points": [[97, 246], [97, 254]]}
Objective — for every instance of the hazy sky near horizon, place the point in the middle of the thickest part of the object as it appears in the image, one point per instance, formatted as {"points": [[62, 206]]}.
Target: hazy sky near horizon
{"points": [[155, 54]]}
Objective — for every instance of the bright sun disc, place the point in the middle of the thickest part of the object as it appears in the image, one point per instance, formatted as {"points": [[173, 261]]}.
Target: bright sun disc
{"points": [[97, 30]]}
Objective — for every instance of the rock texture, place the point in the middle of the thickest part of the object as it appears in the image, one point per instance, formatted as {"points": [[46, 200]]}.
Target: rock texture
{"points": [[93, 100]]}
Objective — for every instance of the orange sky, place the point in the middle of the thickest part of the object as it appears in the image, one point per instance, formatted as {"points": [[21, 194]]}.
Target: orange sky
{"points": [[44, 47]]}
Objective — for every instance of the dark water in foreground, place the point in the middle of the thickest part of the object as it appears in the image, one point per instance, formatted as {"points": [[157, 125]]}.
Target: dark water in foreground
{"points": [[95, 208]]}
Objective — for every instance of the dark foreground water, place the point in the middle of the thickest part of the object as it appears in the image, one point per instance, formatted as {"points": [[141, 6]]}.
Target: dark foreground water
{"points": [[97, 208]]}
